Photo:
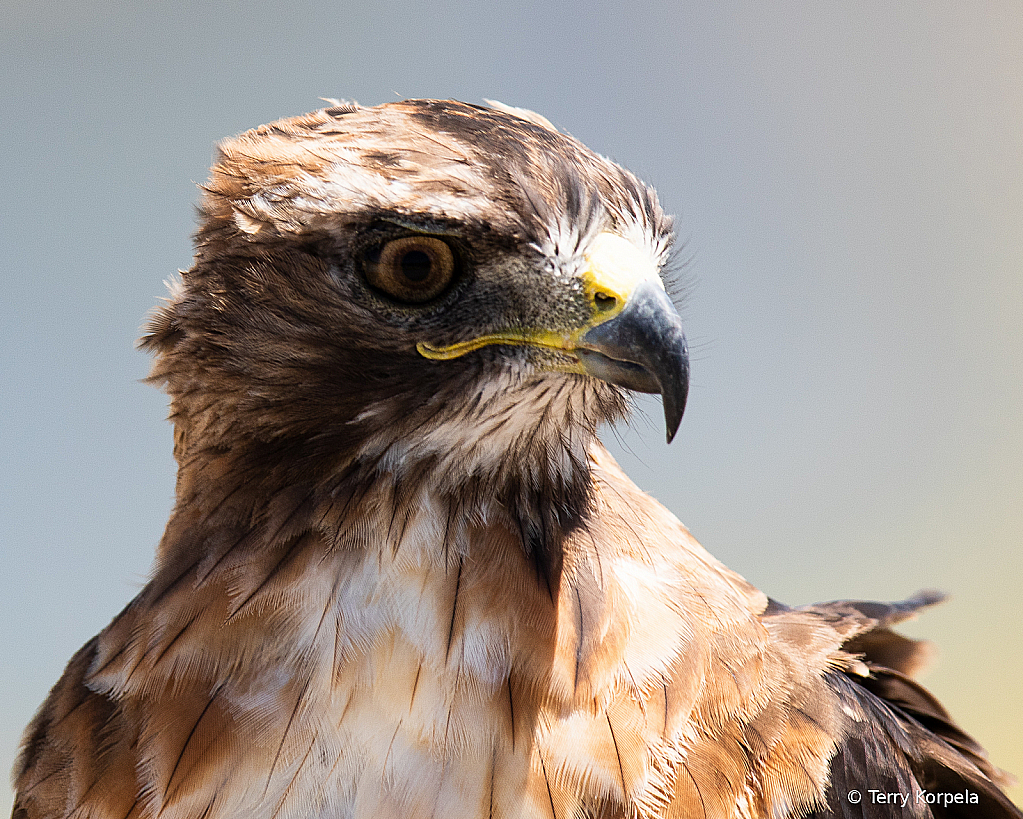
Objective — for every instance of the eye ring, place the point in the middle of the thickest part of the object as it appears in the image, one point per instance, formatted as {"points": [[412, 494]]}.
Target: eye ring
{"points": [[413, 269]]}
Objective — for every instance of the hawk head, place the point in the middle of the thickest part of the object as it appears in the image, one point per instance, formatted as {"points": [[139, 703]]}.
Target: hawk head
{"points": [[426, 288]]}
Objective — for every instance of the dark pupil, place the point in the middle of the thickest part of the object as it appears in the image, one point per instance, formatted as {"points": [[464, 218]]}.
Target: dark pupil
{"points": [[415, 266]]}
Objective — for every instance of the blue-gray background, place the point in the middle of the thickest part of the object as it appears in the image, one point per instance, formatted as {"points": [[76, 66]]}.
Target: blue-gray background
{"points": [[848, 176]]}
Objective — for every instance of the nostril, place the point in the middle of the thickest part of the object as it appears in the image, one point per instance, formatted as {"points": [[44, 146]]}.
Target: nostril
{"points": [[605, 302]]}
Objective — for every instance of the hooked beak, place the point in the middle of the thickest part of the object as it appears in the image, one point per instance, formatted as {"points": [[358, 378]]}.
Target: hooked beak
{"points": [[642, 348]]}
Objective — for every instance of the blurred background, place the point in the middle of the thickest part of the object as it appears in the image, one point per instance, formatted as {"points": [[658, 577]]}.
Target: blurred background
{"points": [[848, 179]]}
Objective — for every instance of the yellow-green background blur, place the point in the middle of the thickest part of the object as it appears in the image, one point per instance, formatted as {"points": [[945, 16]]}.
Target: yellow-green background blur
{"points": [[849, 181]]}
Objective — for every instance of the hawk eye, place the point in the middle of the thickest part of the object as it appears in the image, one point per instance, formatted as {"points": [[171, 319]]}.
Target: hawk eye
{"points": [[414, 269]]}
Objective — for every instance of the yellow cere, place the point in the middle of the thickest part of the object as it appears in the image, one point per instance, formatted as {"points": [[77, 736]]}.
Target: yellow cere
{"points": [[613, 267]]}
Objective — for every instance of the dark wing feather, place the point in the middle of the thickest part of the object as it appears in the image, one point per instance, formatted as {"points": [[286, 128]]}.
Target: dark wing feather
{"points": [[898, 738]]}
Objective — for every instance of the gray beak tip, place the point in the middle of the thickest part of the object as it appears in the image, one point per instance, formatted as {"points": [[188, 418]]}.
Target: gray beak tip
{"points": [[675, 402]]}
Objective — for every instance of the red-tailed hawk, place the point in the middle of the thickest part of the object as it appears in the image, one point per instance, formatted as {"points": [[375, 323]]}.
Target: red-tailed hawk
{"points": [[403, 578]]}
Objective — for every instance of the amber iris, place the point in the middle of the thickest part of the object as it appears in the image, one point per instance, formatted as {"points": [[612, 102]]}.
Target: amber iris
{"points": [[413, 269]]}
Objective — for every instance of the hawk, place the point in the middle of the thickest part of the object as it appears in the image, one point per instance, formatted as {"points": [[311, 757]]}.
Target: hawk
{"points": [[403, 578]]}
